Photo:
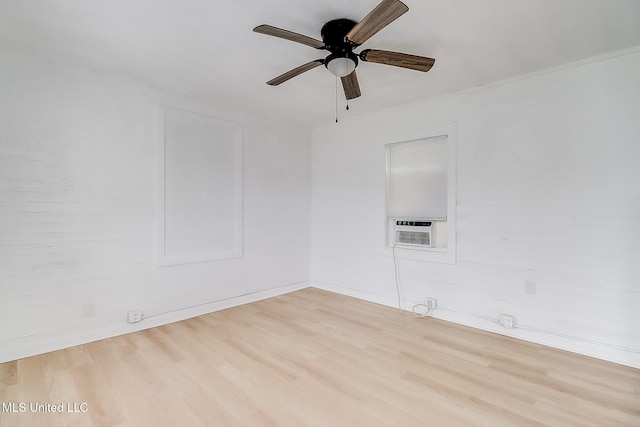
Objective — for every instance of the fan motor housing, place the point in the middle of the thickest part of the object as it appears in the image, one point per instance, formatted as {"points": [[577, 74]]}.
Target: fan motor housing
{"points": [[334, 33]]}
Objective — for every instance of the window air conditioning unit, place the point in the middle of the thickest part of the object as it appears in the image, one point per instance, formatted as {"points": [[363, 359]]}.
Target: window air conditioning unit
{"points": [[413, 233]]}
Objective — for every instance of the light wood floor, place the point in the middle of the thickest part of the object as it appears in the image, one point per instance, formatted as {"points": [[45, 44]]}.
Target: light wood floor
{"points": [[316, 358]]}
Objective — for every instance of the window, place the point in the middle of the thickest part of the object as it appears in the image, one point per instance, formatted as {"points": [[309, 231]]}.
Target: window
{"points": [[418, 179], [421, 197], [200, 197]]}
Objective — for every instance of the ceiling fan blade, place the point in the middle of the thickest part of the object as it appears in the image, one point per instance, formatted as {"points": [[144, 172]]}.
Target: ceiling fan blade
{"points": [[397, 59], [296, 71], [351, 86], [382, 15], [288, 35]]}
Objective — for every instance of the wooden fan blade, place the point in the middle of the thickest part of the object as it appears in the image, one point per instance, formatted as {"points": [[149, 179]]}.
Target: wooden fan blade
{"points": [[296, 71], [397, 59], [288, 35], [351, 86], [382, 15]]}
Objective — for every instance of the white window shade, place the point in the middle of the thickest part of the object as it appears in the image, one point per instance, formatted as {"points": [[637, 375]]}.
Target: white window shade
{"points": [[418, 179]]}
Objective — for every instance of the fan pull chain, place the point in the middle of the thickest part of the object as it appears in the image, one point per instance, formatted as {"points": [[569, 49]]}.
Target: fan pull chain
{"points": [[336, 99]]}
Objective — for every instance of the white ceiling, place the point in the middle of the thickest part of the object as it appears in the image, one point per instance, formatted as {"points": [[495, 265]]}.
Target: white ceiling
{"points": [[206, 48]]}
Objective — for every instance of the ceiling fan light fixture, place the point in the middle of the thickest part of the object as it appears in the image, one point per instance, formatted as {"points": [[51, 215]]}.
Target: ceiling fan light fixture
{"points": [[340, 37], [341, 64]]}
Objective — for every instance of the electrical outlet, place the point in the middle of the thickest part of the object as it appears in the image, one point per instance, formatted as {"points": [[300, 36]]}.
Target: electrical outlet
{"points": [[507, 320], [88, 309], [529, 287], [431, 303], [134, 316]]}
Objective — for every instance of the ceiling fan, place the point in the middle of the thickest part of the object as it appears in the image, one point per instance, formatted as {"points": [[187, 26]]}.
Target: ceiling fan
{"points": [[340, 37]]}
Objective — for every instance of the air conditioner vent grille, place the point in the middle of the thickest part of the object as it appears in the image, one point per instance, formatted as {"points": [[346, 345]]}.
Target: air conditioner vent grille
{"points": [[418, 238]]}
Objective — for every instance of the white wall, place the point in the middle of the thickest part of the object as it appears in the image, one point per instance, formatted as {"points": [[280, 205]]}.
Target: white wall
{"points": [[78, 181], [548, 193]]}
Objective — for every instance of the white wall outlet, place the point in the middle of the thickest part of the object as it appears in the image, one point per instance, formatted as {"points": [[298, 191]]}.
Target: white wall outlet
{"points": [[134, 316], [507, 320], [529, 287], [431, 303], [88, 309]]}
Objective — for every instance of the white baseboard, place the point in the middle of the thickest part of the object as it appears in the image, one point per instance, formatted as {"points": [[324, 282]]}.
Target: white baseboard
{"points": [[568, 343], [391, 300], [38, 344]]}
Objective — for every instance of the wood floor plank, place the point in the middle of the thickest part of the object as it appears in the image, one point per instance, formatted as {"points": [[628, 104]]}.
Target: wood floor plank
{"points": [[312, 357]]}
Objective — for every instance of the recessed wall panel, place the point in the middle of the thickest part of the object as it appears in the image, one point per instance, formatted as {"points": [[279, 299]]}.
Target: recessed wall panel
{"points": [[201, 188]]}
